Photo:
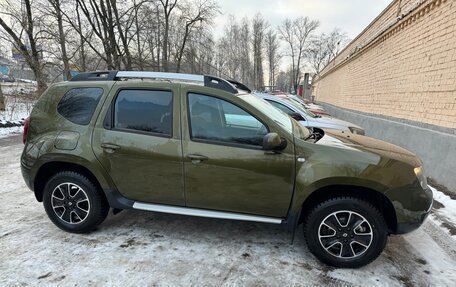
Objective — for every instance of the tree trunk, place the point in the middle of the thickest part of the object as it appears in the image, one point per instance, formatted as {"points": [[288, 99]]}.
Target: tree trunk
{"points": [[2, 100], [138, 38], [81, 41], [62, 41], [122, 34], [32, 57], [182, 47], [158, 41], [165, 44]]}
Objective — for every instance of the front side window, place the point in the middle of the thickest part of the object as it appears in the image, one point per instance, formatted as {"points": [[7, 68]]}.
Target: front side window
{"points": [[144, 111], [79, 104], [215, 119]]}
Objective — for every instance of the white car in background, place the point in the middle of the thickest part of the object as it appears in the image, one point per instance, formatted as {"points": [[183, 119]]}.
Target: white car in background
{"points": [[308, 119]]}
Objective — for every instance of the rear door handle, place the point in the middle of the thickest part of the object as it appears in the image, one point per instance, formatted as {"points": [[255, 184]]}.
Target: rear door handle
{"points": [[197, 158], [110, 148]]}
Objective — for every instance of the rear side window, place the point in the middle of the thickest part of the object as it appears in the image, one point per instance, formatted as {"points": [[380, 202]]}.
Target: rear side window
{"points": [[144, 111], [78, 105]]}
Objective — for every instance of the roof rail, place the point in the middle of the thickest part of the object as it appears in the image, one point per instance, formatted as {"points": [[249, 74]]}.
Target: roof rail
{"points": [[239, 86], [160, 75], [95, 76], [208, 81]]}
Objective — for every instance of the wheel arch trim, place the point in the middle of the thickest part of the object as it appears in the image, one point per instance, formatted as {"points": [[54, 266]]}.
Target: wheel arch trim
{"points": [[369, 191], [49, 164]]}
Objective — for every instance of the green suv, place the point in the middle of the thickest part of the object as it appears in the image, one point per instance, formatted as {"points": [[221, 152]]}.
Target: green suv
{"points": [[204, 146]]}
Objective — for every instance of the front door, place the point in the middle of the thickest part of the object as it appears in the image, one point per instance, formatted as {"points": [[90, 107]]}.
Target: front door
{"points": [[224, 163], [137, 140]]}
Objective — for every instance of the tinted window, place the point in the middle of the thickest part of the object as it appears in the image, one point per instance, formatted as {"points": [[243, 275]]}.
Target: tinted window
{"points": [[144, 110], [218, 120], [281, 107], [78, 105]]}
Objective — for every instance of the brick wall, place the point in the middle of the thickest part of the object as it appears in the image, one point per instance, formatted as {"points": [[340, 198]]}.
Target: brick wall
{"points": [[402, 65]]}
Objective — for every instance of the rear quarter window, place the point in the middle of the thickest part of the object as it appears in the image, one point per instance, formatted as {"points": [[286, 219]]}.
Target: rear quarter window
{"points": [[79, 104]]}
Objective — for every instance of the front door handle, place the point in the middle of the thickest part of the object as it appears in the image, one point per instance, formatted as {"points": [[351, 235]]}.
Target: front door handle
{"points": [[197, 158], [110, 148]]}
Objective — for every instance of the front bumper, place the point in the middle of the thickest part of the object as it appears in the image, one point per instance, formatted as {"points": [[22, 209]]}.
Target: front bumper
{"points": [[412, 216]]}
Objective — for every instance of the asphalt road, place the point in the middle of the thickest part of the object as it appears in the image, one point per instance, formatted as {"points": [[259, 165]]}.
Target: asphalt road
{"points": [[137, 248]]}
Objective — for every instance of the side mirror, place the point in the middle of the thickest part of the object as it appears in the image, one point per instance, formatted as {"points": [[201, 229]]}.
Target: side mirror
{"points": [[273, 141], [297, 116]]}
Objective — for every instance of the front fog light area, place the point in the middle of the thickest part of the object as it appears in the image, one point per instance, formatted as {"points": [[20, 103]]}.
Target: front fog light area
{"points": [[420, 175]]}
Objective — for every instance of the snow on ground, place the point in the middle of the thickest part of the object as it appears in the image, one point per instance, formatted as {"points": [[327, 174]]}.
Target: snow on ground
{"points": [[18, 87], [7, 132], [444, 211], [135, 248], [18, 107]]}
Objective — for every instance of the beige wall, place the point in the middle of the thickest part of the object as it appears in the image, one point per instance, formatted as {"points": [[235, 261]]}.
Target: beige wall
{"points": [[403, 68]]}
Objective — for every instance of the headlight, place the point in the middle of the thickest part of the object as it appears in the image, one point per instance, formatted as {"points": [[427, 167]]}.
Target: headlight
{"points": [[420, 175], [357, 131]]}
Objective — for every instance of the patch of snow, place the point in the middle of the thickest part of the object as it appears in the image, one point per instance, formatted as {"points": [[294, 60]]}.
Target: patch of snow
{"points": [[18, 106], [18, 87], [6, 132], [446, 213], [169, 250]]}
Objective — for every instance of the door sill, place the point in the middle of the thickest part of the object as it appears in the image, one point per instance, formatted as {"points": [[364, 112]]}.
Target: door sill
{"points": [[204, 213]]}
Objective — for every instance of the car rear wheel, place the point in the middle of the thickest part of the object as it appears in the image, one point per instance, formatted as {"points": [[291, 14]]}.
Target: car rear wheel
{"points": [[345, 232], [73, 202]]}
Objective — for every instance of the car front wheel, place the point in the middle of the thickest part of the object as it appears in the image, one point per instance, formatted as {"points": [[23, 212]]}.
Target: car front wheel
{"points": [[345, 232], [73, 202]]}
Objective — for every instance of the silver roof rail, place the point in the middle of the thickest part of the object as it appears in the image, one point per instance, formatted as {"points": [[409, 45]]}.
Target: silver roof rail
{"points": [[160, 75], [206, 80]]}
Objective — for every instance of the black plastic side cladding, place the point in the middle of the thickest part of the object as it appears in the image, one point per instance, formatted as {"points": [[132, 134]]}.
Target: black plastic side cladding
{"points": [[117, 200]]}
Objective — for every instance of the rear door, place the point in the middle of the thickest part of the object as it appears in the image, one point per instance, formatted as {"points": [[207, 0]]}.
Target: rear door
{"points": [[137, 140]]}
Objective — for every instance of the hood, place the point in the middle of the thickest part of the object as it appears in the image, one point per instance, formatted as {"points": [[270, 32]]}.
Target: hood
{"points": [[346, 140], [333, 122]]}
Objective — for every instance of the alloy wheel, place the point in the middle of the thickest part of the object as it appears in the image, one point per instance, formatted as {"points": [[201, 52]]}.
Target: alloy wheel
{"points": [[345, 234], [70, 203]]}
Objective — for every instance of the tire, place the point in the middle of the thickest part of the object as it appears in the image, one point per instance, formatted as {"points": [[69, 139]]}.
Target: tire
{"points": [[345, 232], [73, 203]]}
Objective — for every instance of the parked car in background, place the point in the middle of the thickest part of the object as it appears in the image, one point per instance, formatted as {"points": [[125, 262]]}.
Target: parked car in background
{"points": [[130, 140], [308, 118], [308, 103], [315, 109], [7, 79]]}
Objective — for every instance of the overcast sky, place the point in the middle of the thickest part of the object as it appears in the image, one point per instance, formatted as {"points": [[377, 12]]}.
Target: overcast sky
{"points": [[351, 16]]}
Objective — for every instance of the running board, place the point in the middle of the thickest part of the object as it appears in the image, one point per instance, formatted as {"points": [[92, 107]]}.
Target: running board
{"points": [[204, 213]]}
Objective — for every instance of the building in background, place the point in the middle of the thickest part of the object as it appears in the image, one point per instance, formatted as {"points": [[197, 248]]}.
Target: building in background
{"points": [[5, 66], [397, 79]]}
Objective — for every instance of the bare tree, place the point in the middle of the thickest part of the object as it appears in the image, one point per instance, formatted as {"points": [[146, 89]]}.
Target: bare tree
{"points": [[325, 48], [259, 26], [202, 12], [272, 54], [122, 32], [168, 6], [297, 34], [23, 34], [56, 12]]}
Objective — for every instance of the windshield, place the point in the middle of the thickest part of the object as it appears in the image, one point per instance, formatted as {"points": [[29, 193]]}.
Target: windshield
{"points": [[275, 114], [300, 131], [300, 107]]}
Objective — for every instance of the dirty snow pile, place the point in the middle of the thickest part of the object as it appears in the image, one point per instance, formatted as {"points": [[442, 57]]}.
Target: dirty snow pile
{"points": [[444, 212]]}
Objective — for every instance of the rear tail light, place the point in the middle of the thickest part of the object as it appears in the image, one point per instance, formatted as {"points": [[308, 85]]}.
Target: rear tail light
{"points": [[26, 127]]}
